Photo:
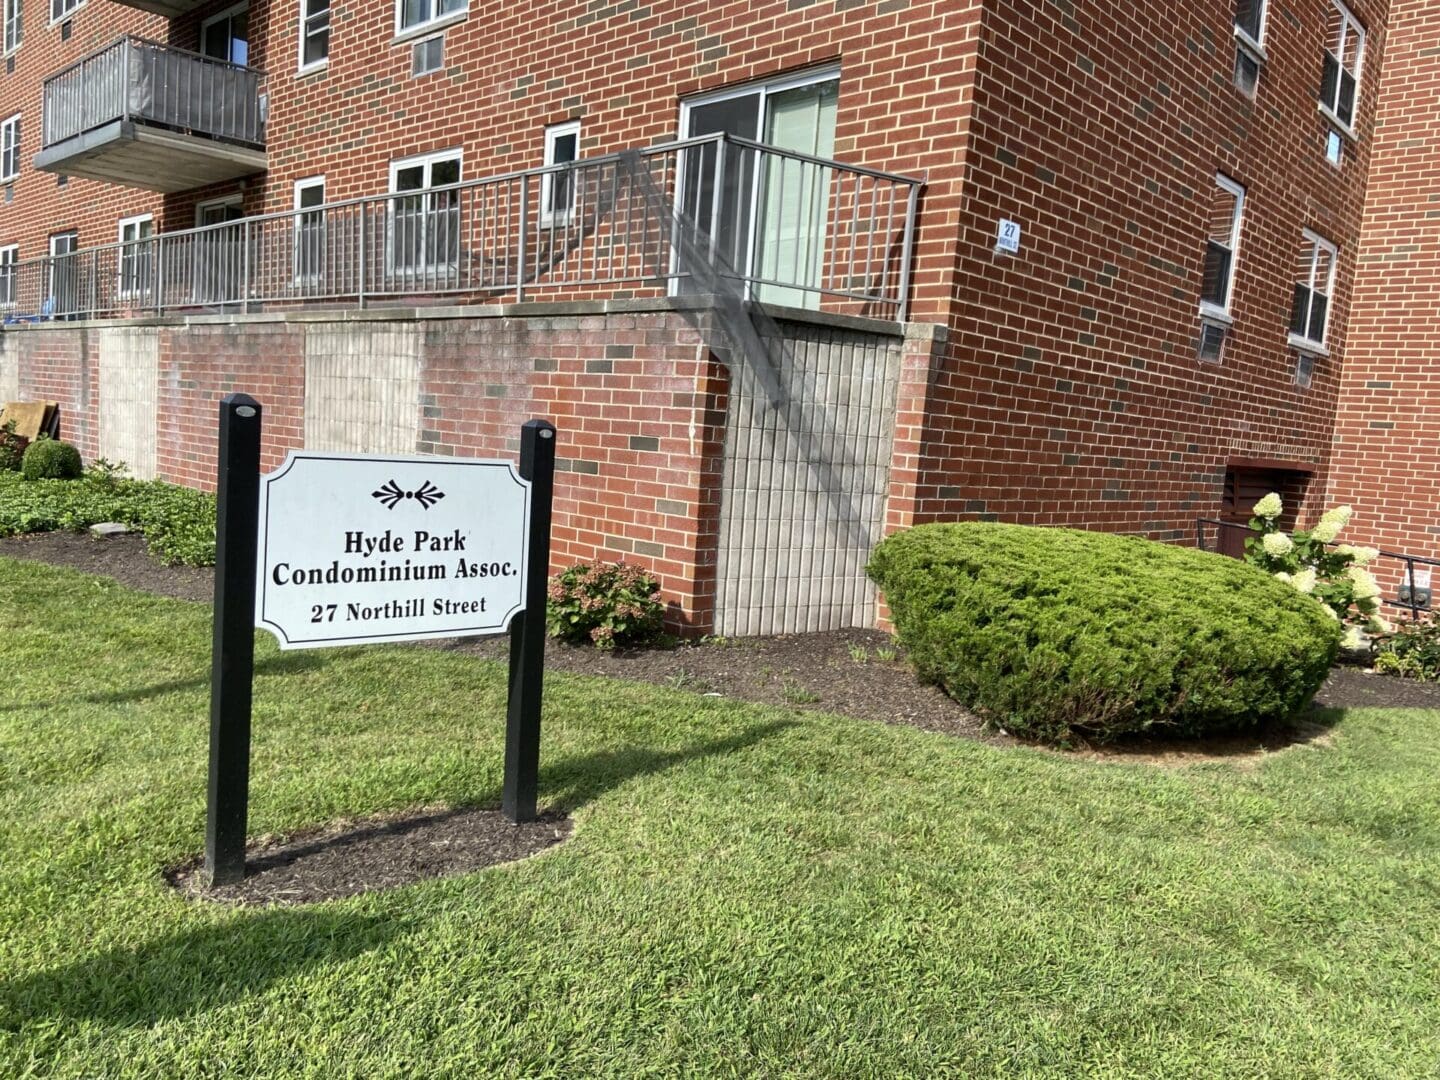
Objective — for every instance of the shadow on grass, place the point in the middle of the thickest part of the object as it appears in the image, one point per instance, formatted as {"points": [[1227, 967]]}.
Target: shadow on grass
{"points": [[192, 971], [279, 664], [570, 783]]}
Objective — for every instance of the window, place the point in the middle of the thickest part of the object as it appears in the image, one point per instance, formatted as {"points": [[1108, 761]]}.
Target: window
{"points": [[425, 227], [1334, 147], [1314, 285], [771, 220], [227, 36], [557, 189], [310, 230], [9, 256], [314, 34], [427, 56], [60, 9], [411, 15], [64, 297], [10, 149], [219, 263], [1249, 47], [1222, 244], [14, 31], [1344, 53], [135, 255]]}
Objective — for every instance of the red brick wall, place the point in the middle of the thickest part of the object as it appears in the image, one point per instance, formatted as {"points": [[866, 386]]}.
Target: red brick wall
{"points": [[1072, 394], [1387, 436]]}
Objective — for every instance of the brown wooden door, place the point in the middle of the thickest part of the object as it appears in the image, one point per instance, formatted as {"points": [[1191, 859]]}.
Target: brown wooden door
{"points": [[1244, 487]]}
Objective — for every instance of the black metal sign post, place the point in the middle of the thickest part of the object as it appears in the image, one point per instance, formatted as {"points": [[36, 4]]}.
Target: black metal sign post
{"points": [[232, 668], [232, 658], [527, 631]]}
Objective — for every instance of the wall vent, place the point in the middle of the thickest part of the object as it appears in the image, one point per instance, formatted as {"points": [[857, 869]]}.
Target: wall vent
{"points": [[427, 56]]}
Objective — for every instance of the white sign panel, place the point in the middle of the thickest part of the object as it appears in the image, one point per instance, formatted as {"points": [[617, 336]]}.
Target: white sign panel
{"points": [[356, 549], [1007, 236]]}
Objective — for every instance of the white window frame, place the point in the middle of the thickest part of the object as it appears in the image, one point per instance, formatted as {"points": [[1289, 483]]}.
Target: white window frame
{"points": [[1209, 310], [52, 292], [210, 204], [301, 185], [65, 12], [428, 162], [10, 136], [303, 34], [13, 17], [9, 277], [428, 26], [553, 134], [129, 252], [1348, 22], [1255, 46], [1318, 243]]}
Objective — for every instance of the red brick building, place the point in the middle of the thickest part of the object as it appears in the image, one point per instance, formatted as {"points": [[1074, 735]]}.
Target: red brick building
{"points": [[1087, 264]]}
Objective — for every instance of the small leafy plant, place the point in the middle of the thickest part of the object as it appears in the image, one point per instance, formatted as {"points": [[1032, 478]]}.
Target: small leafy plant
{"points": [[51, 459], [1311, 562], [607, 604], [1412, 652], [12, 447]]}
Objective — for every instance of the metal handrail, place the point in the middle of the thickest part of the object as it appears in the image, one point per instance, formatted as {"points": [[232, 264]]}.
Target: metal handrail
{"points": [[834, 233], [1407, 602], [141, 40]]}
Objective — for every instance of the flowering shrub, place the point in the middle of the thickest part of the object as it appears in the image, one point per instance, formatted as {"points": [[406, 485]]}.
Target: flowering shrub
{"points": [[608, 604], [1334, 575], [1061, 635], [1413, 652]]}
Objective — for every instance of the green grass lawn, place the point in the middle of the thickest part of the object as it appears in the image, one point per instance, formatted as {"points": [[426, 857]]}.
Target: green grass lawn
{"points": [[747, 891]]}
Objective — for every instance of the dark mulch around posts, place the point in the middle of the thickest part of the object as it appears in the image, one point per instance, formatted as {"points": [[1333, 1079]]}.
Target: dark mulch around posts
{"points": [[353, 857]]}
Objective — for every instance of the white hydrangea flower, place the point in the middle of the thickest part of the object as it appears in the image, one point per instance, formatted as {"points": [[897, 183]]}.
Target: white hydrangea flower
{"points": [[1269, 507], [1326, 531], [1277, 545], [1353, 639], [1381, 625], [1366, 555], [1340, 515], [1305, 580], [1330, 611], [1365, 585], [1283, 576]]}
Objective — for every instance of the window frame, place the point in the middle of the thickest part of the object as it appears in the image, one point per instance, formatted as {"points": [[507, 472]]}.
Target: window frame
{"points": [[1255, 46], [54, 280], [303, 34], [429, 25], [75, 5], [129, 255], [9, 277], [428, 161], [550, 215], [1208, 309], [18, 7], [1317, 243], [8, 124], [300, 277], [221, 16], [1348, 21]]}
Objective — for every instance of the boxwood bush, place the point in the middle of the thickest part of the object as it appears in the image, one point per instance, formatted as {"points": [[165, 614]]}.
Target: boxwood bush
{"points": [[1059, 635], [51, 459]]}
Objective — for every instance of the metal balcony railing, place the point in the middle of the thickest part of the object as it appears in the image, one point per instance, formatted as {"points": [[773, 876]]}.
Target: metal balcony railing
{"points": [[696, 216], [133, 79]]}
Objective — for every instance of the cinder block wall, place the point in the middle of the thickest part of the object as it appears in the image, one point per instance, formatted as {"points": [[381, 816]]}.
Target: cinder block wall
{"points": [[1387, 436]]}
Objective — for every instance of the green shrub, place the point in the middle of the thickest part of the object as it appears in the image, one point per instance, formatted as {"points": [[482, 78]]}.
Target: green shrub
{"points": [[1058, 634], [609, 604], [178, 523], [1412, 651], [51, 459], [12, 447]]}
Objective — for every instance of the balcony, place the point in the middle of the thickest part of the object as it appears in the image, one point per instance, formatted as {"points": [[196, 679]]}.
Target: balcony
{"points": [[707, 220], [145, 115]]}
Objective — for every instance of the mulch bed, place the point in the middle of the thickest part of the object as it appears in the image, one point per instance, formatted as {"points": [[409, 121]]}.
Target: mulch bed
{"points": [[352, 857], [842, 671]]}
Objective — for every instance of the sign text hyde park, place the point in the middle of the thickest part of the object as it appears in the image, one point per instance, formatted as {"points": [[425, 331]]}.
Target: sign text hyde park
{"points": [[356, 549]]}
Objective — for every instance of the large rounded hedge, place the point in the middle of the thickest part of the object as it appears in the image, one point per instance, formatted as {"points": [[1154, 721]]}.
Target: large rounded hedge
{"points": [[50, 459], [1058, 634]]}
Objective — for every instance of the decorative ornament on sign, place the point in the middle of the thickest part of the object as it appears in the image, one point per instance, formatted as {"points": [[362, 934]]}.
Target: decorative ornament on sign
{"points": [[392, 494]]}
